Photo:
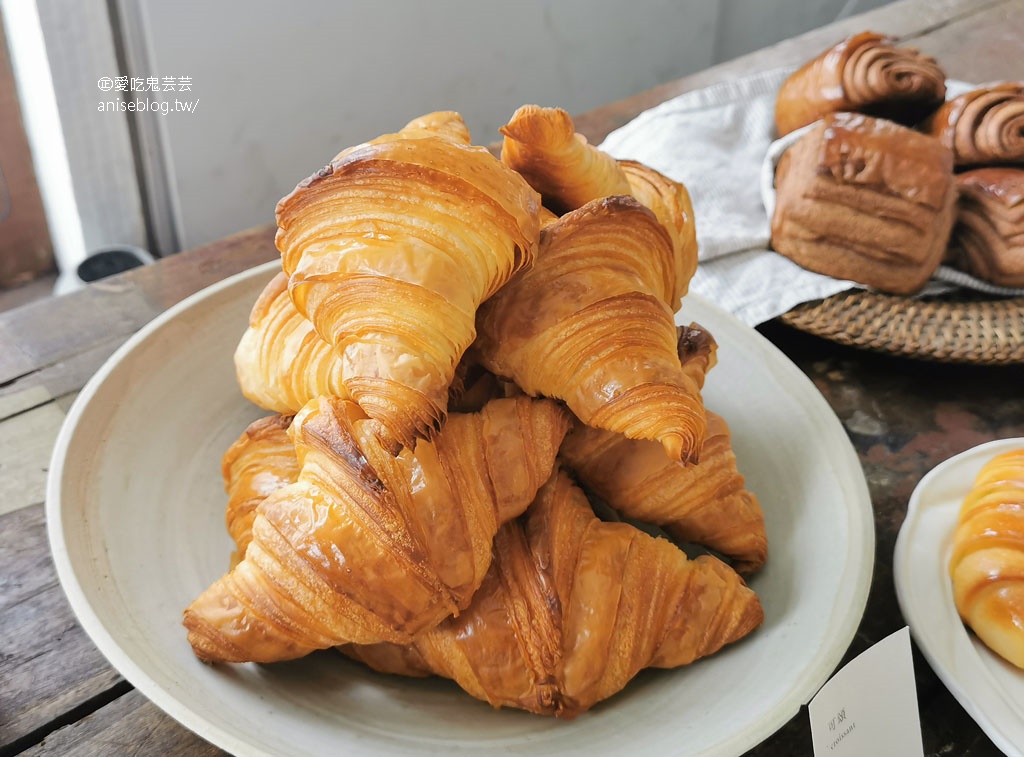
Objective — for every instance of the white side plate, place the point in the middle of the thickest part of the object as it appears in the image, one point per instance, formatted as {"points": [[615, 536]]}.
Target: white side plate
{"points": [[988, 687]]}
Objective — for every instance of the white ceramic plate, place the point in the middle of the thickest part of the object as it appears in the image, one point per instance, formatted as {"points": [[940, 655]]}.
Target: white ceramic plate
{"points": [[135, 511], [989, 688]]}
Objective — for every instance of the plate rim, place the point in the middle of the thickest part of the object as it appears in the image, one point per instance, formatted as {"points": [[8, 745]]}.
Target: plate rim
{"points": [[902, 567], [859, 510]]}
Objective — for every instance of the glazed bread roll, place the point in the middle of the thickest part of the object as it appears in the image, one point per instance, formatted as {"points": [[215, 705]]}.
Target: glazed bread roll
{"points": [[864, 73], [984, 126], [987, 566], [866, 200]]}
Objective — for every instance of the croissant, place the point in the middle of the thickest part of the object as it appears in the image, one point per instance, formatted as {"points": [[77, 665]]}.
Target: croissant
{"points": [[988, 239], [254, 467], [987, 566], [444, 123], [390, 249], [983, 126], [670, 202], [367, 547], [864, 73], [542, 145], [281, 362], [867, 200], [705, 504], [573, 608], [588, 324]]}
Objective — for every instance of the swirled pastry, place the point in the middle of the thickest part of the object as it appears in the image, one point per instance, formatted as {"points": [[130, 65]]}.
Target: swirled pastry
{"points": [[983, 127], [865, 73]]}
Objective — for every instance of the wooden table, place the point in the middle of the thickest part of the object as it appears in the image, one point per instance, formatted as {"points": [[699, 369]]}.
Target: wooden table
{"points": [[58, 696]]}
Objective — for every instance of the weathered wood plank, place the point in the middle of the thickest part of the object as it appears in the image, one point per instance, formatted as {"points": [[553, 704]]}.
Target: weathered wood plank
{"points": [[54, 381], [130, 725], [48, 666], [909, 19], [26, 443], [49, 331]]}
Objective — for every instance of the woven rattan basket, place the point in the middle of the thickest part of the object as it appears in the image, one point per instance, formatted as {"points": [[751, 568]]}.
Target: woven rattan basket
{"points": [[982, 331]]}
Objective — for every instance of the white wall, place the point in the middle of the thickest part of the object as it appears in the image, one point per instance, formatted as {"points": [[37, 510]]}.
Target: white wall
{"points": [[282, 86]]}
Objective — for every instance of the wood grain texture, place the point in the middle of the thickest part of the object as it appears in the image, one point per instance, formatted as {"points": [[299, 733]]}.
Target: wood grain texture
{"points": [[49, 331], [48, 666], [128, 726], [26, 442], [903, 418]]}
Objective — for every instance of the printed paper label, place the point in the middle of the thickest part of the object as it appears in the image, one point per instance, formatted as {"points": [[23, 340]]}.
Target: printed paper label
{"points": [[870, 706]]}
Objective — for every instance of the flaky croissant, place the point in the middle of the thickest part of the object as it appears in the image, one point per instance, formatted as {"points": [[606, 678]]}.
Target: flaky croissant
{"points": [[367, 547], [670, 202], [542, 145], [281, 362], [390, 249], [987, 566], [259, 463], [865, 73], [983, 127], [588, 324], [705, 504], [573, 608]]}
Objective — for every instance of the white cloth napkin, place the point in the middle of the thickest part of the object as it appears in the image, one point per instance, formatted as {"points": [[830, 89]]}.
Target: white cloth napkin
{"points": [[718, 142]]}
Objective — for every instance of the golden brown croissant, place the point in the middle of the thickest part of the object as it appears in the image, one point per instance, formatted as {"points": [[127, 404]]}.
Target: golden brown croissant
{"points": [[988, 239], [542, 145], [987, 566], [588, 324], [670, 202], [443, 123], [984, 126], [281, 362], [867, 200], [259, 463], [573, 608], [367, 547], [864, 73], [390, 249], [703, 504]]}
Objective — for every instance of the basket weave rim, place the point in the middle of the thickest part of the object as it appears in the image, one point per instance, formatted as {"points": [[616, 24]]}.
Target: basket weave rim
{"points": [[962, 328]]}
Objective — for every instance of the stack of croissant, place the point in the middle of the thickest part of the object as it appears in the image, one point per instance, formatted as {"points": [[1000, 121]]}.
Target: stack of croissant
{"points": [[455, 346], [894, 179]]}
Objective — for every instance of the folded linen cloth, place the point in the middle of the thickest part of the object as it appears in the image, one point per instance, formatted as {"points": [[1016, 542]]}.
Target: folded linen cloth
{"points": [[718, 141]]}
